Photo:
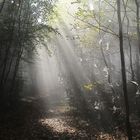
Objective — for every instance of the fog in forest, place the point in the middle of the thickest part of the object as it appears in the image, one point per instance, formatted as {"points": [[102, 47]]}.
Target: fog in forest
{"points": [[69, 70]]}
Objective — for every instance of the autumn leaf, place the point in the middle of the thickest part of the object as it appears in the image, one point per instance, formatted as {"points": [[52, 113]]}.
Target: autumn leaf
{"points": [[88, 86]]}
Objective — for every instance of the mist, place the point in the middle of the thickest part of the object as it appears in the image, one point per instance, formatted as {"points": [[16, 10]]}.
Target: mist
{"points": [[69, 70]]}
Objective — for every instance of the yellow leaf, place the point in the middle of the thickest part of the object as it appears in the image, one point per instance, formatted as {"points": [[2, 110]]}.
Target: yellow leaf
{"points": [[88, 86]]}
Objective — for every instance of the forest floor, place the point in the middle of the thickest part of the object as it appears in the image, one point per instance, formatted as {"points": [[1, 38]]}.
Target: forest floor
{"points": [[32, 119]]}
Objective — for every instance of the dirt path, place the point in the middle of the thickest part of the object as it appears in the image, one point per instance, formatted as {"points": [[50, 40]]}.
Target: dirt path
{"points": [[33, 119]]}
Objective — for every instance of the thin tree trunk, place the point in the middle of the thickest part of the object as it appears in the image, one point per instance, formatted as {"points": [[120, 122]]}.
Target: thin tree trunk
{"points": [[9, 68], [123, 70], [104, 58], [138, 35], [16, 70], [129, 39], [138, 24], [1, 8]]}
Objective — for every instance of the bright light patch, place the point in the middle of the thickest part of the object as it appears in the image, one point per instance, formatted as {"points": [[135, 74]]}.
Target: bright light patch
{"points": [[39, 20], [58, 125], [91, 6]]}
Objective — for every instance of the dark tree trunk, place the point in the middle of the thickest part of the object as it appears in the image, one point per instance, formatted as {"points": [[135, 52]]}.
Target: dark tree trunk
{"points": [[129, 41], [2, 5], [138, 35], [124, 80], [138, 24]]}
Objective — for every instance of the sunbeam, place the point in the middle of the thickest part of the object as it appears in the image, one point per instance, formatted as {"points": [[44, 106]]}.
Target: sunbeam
{"points": [[69, 70]]}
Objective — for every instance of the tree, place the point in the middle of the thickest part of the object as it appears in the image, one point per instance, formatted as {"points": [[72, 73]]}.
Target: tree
{"points": [[123, 70], [22, 28]]}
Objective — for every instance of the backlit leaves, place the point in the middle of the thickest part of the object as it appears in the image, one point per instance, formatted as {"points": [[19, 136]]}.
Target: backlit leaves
{"points": [[88, 86]]}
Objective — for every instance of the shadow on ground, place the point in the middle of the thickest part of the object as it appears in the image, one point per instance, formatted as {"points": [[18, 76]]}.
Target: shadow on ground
{"points": [[33, 119]]}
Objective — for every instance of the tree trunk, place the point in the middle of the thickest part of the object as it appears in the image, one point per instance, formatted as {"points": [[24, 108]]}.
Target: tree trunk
{"points": [[2, 5], [124, 80], [138, 35]]}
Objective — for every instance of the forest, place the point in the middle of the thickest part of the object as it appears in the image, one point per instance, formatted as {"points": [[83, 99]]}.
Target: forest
{"points": [[69, 69]]}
